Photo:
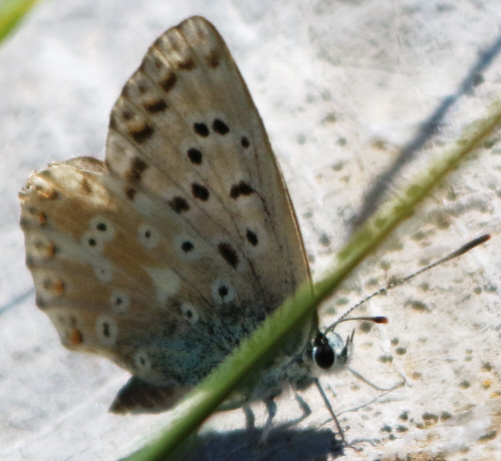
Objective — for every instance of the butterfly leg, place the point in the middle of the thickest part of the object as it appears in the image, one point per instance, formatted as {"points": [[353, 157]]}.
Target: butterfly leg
{"points": [[305, 409], [271, 406], [331, 411], [250, 420]]}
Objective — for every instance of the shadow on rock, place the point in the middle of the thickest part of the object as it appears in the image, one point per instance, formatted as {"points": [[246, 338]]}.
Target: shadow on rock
{"points": [[282, 444]]}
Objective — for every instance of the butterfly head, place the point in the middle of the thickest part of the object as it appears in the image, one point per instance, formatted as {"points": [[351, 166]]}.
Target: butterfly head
{"points": [[329, 350]]}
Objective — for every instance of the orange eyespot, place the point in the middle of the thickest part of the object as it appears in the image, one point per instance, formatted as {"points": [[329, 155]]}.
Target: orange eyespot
{"points": [[75, 337]]}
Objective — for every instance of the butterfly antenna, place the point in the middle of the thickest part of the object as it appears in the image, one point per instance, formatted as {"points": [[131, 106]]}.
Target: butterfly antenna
{"points": [[379, 319]]}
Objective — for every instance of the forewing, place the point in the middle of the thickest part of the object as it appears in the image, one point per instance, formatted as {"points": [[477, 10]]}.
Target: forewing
{"points": [[186, 129]]}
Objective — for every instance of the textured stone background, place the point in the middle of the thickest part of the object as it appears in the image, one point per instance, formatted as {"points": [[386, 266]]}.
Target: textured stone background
{"points": [[342, 86]]}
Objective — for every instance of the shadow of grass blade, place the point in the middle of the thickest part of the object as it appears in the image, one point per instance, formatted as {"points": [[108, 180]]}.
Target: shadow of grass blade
{"points": [[11, 13], [206, 398]]}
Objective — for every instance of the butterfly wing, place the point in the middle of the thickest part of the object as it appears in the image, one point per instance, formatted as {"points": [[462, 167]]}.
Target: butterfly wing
{"points": [[164, 257], [185, 129]]}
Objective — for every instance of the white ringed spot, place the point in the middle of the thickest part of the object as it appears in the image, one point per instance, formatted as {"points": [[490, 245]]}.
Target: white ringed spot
{"points": [[148, 236], [92, 242], [119, 302], [189, 313], [186, 247], [107, 330], [142, 360], [223, 291], [103, 270], [102, 228]]}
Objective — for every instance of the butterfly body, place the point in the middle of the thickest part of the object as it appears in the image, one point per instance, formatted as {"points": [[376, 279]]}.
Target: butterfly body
{"points": [[167, 255]]}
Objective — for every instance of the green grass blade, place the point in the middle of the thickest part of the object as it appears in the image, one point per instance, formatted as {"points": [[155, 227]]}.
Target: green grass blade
{"points": [[207, 397], [11, 13]]}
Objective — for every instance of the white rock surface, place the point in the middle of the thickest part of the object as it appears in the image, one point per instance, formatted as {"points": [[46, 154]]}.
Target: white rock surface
{"points": [[341, 86]]}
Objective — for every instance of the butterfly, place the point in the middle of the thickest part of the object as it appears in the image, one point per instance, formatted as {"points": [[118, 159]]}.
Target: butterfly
{"points": [[165, 256]]}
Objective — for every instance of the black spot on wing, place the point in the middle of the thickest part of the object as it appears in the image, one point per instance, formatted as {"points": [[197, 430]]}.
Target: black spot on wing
{"points": [[220, 127], [213, 59], [168, 82], [242, 188], [155, 106], [201, 129], [200, 192], [136, 170], [251, 237], [130, 192], [187, 246], [195, 156], [141, 133], [229, 254], [179, 204], [187, 64]]}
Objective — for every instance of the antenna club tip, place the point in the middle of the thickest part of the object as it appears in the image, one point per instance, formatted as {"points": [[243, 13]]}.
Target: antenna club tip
{"points": [[472, 244], [380, 319]]}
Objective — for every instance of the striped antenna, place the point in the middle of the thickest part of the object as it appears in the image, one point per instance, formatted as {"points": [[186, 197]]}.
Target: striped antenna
{"points": [[379, 319]]}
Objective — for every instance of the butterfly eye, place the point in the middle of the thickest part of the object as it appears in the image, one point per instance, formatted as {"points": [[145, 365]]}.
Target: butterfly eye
{"points": [[324, 355], [329, 350]]}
